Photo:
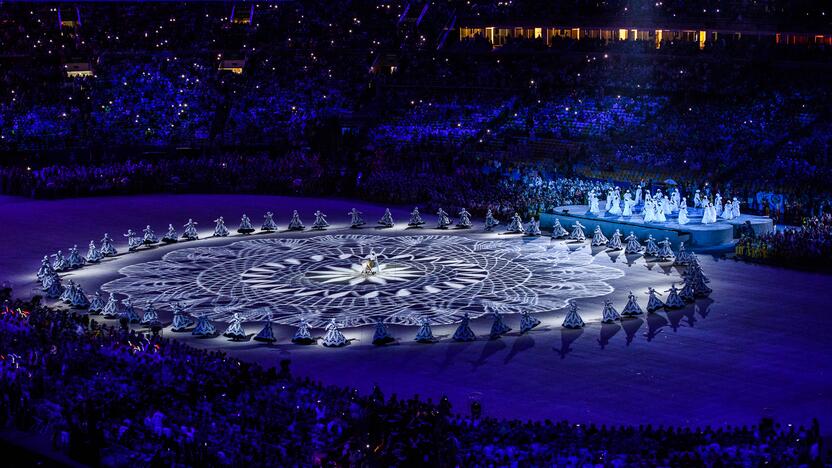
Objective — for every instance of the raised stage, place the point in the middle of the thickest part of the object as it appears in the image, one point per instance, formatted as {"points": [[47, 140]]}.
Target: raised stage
{"points": [[694, 233]]}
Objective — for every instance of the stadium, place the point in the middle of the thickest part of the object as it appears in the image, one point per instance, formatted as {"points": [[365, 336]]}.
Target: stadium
{"points": [[460, 233]]}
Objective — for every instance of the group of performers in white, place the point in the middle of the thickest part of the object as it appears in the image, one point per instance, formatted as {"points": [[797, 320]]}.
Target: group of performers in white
{"points": [[659, 208], [694, 281], [694, 286]]}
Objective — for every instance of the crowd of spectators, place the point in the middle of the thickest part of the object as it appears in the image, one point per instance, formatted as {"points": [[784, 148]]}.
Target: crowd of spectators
{"points": [[806, 246], [111, 396], [333, 100]]}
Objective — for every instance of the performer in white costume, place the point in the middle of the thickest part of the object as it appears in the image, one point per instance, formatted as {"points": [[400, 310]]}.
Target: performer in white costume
{"points": [[415, 218], [628, 204], [356, 219], [190, 230], [728, 211], [268, 222], [245, 225], [490, 220], [683, 212], [320, 221], [219, 227], [593, 203], [171, 236], [633, 246], [464, 220]]}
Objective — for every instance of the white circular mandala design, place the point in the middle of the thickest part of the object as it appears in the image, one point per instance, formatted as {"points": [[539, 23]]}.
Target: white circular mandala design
{"points": [[439, 277]]}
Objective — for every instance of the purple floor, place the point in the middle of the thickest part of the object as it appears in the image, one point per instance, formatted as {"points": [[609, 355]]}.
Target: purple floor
{"points": [[758, 347]]}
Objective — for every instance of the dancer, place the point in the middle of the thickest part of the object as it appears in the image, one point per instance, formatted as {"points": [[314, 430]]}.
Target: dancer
{"points": [[673, 299], [735, 206], [79, 298], [650, 247], [498, 327], [718, 204], [302, 335], [93, 254], [609, 315], [728, 212], [127, 311], [386, 219], [133, 240], [686, 293], [356, 220], [74, 259], [45, 268], [415, 218], [69, 291], [697, 279], [107, 248], [204, 328], [463, 331], [425, 334], [665, 252], [658, 212], [516, 224], [532, 228], [464, 220], [96, 304], [382, 336], [333, 337], [181, 320], [235, 328], [653, 302], [150, 315], [594, 209], [615, 209], [632, 308], [598, 237], [110, 309], [266, 334], [171, 236], [219, 228], [628, 204], [666, 207], [675, 198], [149, 236], [190, 230], [615, 241], [320, 221], [60, 263], [708, 213], [268, 223], [633, 246], [490, 220], [245, 225], [683, 212], [649, 211], [295, 223], [697, 200], [527, 322], [573, 319], [52, 287], [682, 258], [558, 232], [443, 222], [577, 232]]}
